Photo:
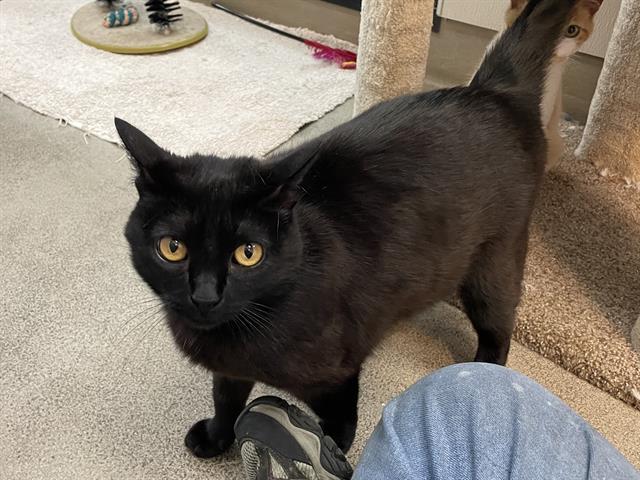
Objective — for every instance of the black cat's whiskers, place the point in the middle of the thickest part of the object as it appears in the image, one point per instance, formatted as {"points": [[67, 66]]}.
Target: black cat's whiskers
{"points": [[143, 308], [244, 323], [261, 177], [145, 300], [185, 341], [257, 324], [236, 327], [157, 318], [262, 316], [262, 306], [147, 317], [158, 321]]}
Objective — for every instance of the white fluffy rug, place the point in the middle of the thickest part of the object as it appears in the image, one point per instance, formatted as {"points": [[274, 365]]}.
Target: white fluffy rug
{"points": [[242, 90]]}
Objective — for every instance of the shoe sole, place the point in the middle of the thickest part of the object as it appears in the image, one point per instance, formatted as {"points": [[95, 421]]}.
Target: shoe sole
{"points": [[307, 442]]}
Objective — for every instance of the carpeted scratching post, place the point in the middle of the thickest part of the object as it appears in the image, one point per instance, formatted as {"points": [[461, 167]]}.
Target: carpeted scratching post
{"points": [[611, 138], [393, 49]]}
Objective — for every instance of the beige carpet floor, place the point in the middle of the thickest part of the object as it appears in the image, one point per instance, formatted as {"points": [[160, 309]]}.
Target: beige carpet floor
{"points": [[93, 388], [582, 285]]}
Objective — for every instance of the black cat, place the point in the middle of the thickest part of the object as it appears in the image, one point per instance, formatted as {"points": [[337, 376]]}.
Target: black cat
{"points": [[289, 271]]}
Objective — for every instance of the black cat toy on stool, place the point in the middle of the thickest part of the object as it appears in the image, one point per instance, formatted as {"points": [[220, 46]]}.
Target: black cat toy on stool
{"points": [[160, 14]]}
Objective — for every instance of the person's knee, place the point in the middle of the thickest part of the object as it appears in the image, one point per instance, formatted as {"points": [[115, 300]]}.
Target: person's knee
{"points": [[455, 399], [465, 378], [461, 386]]}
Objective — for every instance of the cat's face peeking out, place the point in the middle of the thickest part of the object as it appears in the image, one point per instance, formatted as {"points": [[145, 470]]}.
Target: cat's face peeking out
{"points": [[214, 238], [577, 31]]}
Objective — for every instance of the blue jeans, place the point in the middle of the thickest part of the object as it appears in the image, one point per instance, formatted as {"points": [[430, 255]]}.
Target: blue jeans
{"points": [[481, 421]]}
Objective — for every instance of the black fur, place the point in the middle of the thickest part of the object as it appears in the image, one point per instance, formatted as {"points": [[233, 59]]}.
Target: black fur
{"points": [[375, 220]]}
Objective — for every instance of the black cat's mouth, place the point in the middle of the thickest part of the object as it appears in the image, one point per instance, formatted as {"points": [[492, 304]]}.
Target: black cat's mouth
{"points": [[203, 325], [197, 320], [246, 321]]}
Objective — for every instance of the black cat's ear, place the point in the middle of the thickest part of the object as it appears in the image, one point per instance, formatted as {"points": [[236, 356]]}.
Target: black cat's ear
{"points": [[145, 155], [285, 179]]}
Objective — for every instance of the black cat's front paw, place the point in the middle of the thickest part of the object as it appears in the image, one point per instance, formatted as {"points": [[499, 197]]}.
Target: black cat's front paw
{"points": [[207, 439]]}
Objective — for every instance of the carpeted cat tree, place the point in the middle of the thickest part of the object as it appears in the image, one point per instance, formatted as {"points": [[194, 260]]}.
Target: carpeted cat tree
{"points": [[611, 139], [393, 49]]}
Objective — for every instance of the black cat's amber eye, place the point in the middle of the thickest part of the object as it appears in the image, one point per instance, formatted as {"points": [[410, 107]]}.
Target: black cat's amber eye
{"points": [[172, 249], [572, 31], [249, 254]]}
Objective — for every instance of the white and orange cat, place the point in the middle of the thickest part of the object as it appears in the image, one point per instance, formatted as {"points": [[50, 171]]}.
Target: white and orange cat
{"points": [[577, 32]]}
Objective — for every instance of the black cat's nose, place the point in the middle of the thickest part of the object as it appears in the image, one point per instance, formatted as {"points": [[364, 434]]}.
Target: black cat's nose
{"points": [[205, 295], [205, 303]]}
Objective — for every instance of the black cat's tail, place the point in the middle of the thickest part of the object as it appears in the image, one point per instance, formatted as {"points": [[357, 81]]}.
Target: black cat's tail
{"points": [[518, 60]]}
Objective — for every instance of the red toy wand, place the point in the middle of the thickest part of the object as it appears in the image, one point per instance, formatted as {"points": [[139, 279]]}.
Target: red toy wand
{"points": [[345, 58]]}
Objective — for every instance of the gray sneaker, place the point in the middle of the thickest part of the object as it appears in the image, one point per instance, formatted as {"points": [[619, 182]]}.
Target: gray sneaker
{"points": [[279, 441]]}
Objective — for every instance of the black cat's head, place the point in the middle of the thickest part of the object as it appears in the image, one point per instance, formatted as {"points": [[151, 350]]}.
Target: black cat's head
{"points": [[211, 236]]}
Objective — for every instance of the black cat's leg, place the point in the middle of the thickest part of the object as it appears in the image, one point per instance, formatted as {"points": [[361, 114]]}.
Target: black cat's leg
{"points": [[490, 294], [337, 408], [213, 436]]}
